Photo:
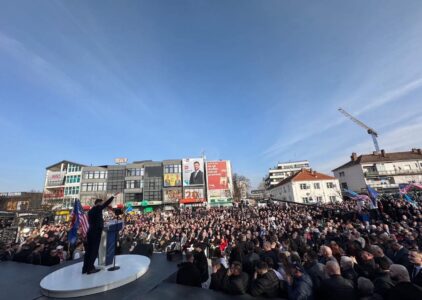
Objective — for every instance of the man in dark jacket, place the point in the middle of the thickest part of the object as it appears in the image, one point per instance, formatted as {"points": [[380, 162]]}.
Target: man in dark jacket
{"points": [[299, 283], [235, 282], [314, 269], [415, 270], [269, 252], [400, 255], [96, 224], [382, 282], [265, 282], [336, 287], [188, 273], [218, 274], [404, 289], [201, 262]]}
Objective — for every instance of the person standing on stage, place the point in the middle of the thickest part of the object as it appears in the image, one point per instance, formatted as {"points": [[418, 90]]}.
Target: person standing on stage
{"points": [[96, 224]]}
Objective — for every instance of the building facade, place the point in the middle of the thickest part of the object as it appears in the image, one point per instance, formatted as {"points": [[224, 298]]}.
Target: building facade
{"points": [[384, 171], [62, 184], [284, 170], [20, 201], [144, 185], [307, 187]]}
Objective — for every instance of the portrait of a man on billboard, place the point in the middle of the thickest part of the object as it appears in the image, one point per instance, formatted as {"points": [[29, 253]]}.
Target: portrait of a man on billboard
{"points": [[197, 176]]}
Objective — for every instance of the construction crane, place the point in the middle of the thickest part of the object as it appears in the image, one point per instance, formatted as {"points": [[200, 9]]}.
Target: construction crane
{"points": [[370, 131]]}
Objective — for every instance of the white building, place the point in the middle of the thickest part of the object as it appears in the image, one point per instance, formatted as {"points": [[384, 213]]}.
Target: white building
{"points": [[62, 184], [383, 171], [284, 170], [307, 186]]}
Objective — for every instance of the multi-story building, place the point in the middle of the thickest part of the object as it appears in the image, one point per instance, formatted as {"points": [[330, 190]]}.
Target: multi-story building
{"points": [[172, 184], [62, 184], [307, 186], [284, 170], [141, 184], [134, 182], [93, 184], [383, 171]]}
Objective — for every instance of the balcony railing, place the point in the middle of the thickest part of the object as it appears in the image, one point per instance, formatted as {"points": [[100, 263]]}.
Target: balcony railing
{"points": [[385, 186], [393, 172]]}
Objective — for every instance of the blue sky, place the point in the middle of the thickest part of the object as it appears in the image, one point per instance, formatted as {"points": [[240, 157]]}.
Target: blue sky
{"points": [[255, 82]]}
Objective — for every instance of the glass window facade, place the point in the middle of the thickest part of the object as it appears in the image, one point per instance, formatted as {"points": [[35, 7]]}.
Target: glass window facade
{"points": [[73, 178], [94, 174], [135, 172], [71, 190], [94, 186], [170, 169]]}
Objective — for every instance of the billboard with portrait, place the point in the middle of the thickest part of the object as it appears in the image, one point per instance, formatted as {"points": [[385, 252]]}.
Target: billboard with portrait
{"points": [[172, 195], [193, 171], [219, 182], [193, 196], [172, 179]]}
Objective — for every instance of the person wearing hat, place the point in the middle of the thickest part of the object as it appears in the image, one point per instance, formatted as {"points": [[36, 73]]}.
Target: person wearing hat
{"points": [[299, 283], [96, 224]]}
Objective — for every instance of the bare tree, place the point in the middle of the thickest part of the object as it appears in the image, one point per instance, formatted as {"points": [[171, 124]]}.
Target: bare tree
{"points": [[241, 186]]}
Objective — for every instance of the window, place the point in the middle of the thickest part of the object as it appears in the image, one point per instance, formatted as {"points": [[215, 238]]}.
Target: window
{"points": [[133, 184], [84, 187], [303, 186], [319, 199], [135, 172], [330, 185], [333, 198], [341, 174], [170, 169], [97, 174], [71, 190], [305, 199], [316, 186], [344, 185]]}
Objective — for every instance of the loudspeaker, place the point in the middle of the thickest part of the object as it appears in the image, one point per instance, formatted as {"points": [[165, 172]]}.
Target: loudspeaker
{"points": [[143, 249]]}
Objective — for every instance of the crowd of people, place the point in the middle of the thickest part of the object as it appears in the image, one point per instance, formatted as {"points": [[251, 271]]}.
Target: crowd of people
{"points": [[283, 250]]}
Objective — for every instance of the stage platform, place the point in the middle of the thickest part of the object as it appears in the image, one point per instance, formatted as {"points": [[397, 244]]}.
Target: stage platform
{"points": [[57, 283], [22, 282]]}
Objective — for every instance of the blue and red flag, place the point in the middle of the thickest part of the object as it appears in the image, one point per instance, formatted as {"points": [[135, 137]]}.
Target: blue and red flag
{"points": [[78, 219]]}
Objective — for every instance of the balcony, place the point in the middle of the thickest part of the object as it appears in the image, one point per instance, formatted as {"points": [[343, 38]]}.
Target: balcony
{"points": [[385, 186], [392, 173]]}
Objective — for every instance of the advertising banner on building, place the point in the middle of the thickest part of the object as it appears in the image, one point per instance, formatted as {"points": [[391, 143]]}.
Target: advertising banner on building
{"points": [[193, 171], [173, 179], [55, 178], [172, 195], [219, 182], [193, 196], [217, 175]]}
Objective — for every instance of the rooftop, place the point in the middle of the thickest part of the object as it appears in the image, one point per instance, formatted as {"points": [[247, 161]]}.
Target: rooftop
{"points": [[305, 175], [414, 154]]}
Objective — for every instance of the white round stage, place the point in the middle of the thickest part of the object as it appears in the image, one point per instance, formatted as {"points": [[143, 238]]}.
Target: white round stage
{"points": [[69, 281]]}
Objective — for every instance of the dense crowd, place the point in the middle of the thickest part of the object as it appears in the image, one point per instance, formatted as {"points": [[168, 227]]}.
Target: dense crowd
{"points": [[290, 251]]}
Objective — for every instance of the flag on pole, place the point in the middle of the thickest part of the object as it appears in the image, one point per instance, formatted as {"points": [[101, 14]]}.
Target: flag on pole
{"points": [[129, 209], [78, 219], [409, 199], [373, 194]]}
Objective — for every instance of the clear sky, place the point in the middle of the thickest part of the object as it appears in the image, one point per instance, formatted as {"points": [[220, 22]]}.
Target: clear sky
{"points": [[255, 82]]}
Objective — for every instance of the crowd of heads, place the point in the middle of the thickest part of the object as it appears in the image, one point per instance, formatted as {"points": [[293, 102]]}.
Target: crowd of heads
{"points": [[281, 250]]}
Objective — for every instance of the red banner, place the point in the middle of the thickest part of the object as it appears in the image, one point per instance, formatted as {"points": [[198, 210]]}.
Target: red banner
{"points": [[217, 175]]}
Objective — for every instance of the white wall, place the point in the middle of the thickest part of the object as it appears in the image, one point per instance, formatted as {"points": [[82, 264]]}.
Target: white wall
{"points": [[291, 191], [353, 176]]}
